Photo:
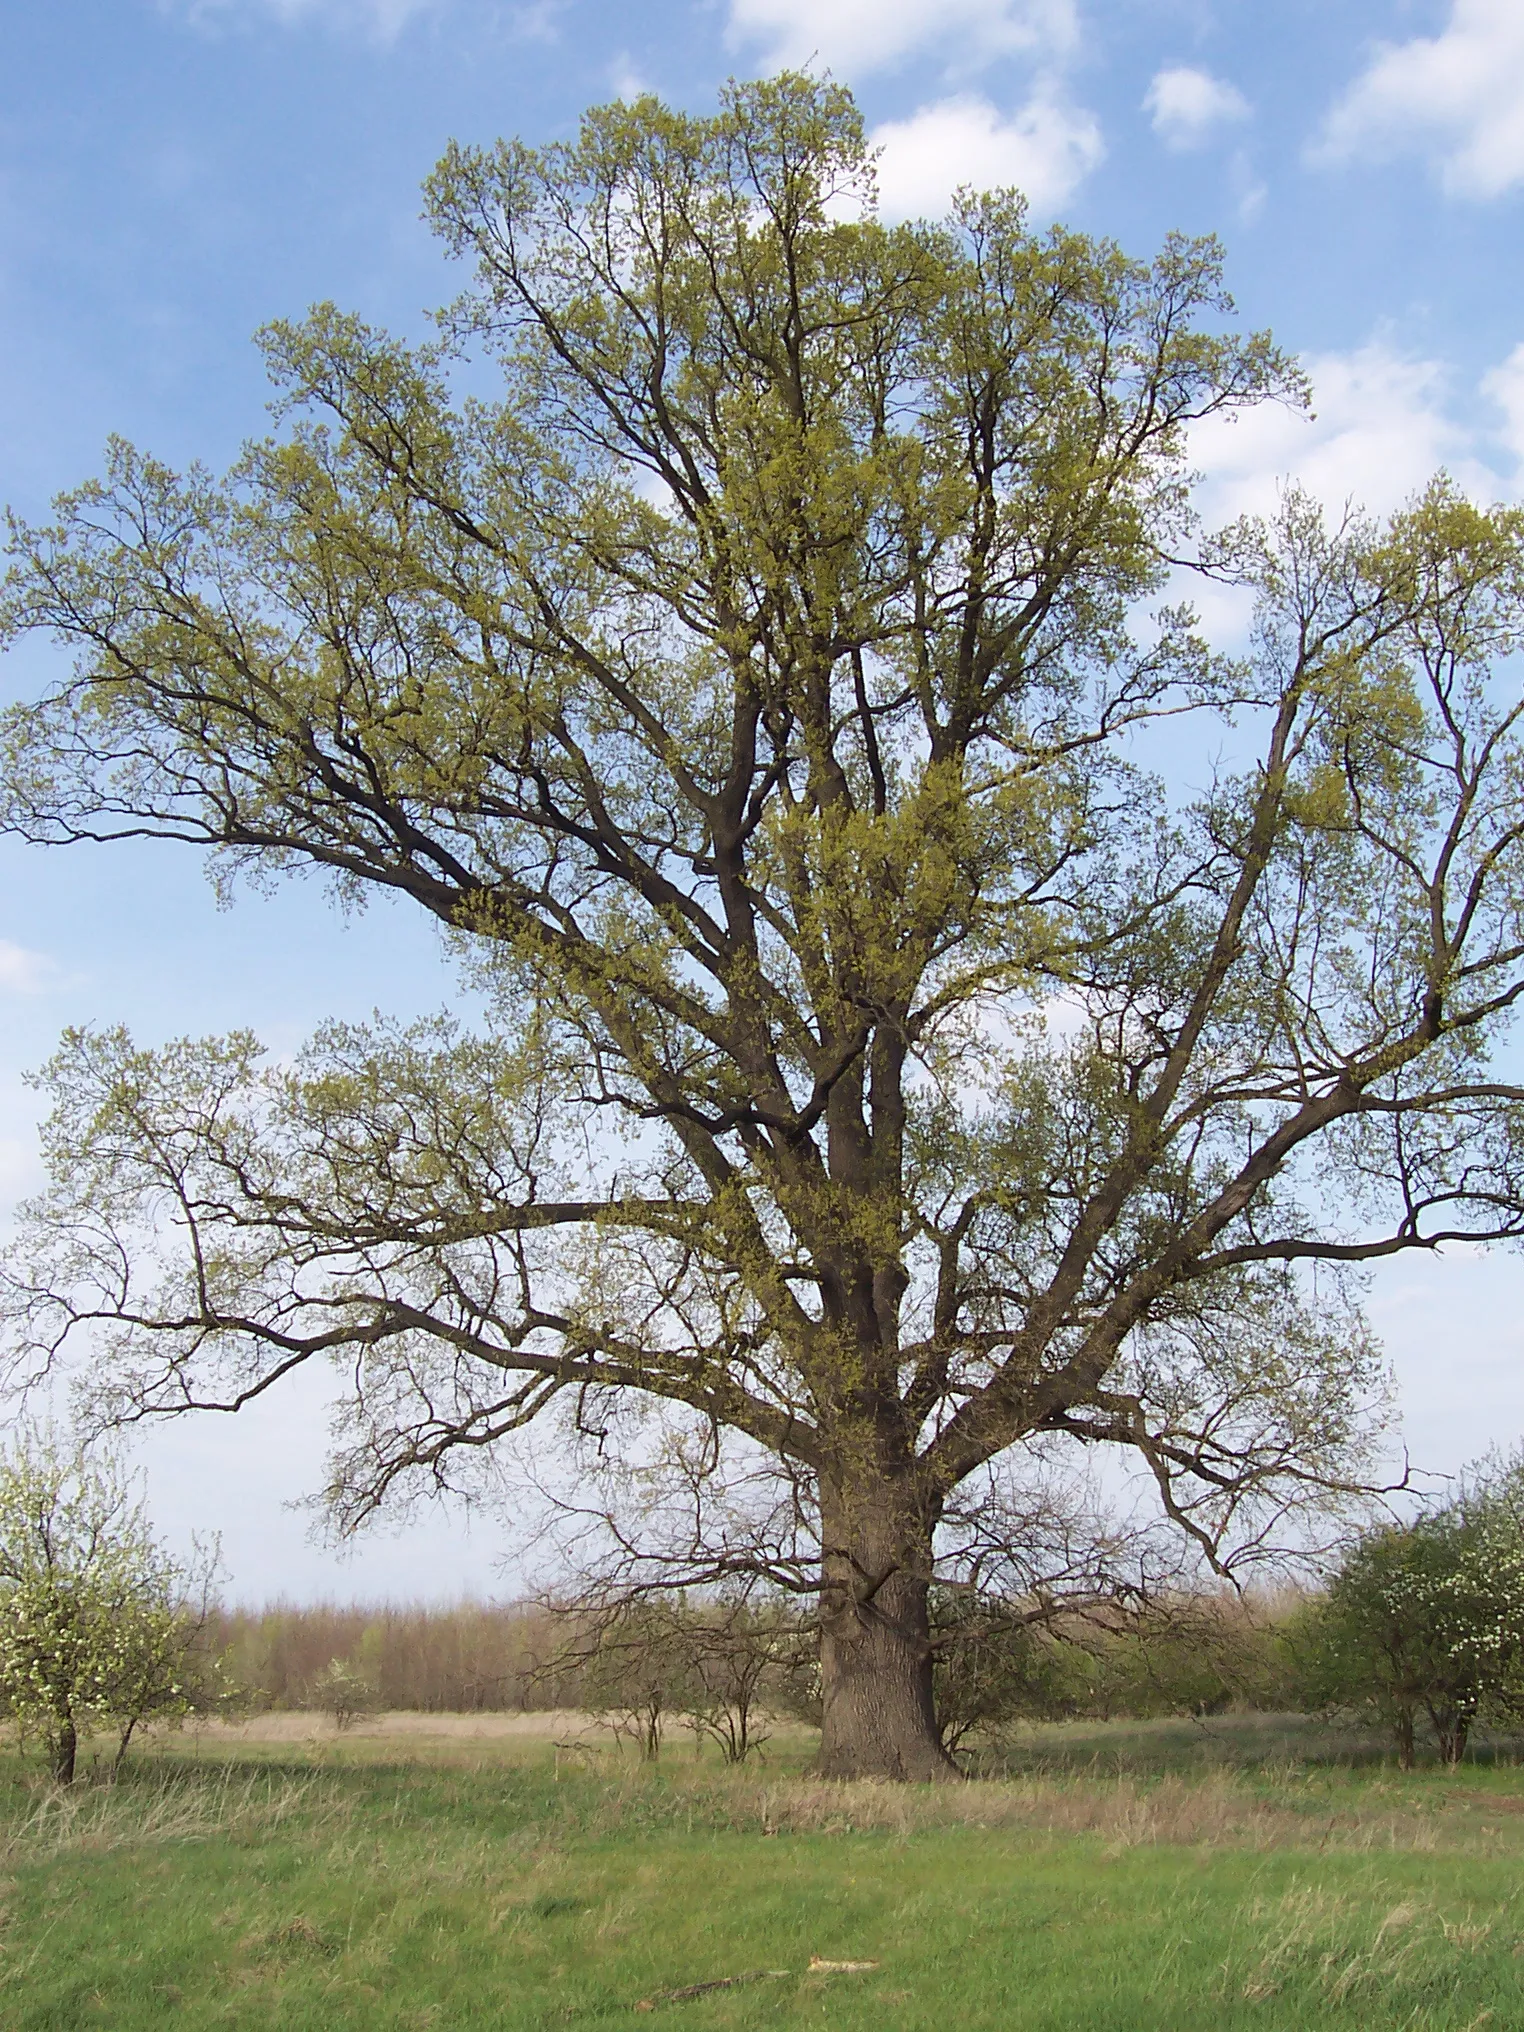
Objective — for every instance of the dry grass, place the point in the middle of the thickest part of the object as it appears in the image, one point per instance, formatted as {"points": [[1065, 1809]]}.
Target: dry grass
{"points": [[399, 1730], [1409, 1954], [156, 1807], [1214, 1809]]}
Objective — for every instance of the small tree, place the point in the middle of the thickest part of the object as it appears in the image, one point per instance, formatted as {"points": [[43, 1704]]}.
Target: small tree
{"points": [[1427, 1619], [742, 1650], [344, 1690], [98, 1623], [637, 1671], [643, 1660]]}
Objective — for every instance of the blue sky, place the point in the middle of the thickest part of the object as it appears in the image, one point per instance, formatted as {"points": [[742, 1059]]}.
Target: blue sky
{"points": [[175, 172]]}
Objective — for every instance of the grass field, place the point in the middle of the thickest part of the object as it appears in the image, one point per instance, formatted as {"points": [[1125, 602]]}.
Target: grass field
{"points": [[1172, 1876]]}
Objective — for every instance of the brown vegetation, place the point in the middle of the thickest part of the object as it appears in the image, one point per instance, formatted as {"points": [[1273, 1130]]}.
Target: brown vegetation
{"points": [[470, 1658], [1207, 1655]]}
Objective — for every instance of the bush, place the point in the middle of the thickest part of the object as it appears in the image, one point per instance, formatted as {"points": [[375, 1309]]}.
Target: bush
{"points": [[1427, 1620], [344, 1691]]}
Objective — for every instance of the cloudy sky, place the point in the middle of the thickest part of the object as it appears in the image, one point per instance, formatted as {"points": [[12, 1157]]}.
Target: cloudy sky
{"points": [[175, 172]]}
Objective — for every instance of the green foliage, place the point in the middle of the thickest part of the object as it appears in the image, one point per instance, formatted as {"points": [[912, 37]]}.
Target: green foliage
{"points": [[1426, 1620], [1206, 1654], [748, 674], [1200, 1655], [99, 1626]]}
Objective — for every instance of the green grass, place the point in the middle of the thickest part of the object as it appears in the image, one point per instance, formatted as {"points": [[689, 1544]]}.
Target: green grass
{"points": [[1171, 1877]]}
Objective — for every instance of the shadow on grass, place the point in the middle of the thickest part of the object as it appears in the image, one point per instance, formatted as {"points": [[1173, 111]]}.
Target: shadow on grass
{"points": [[1183, 1746]]}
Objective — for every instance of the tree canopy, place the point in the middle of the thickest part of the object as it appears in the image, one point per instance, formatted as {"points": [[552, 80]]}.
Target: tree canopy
{"points": [[941, 1012]]}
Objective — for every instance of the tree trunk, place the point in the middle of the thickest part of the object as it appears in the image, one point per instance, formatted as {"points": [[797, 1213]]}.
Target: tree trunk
{"points": [[878, 1717], [1451, 1728], [651, 1719], [65, 1748], [1402, 1724]]}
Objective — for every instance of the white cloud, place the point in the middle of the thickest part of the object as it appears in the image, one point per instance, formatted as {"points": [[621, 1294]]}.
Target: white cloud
{"points": [[627, 80], [1458, 95], [1252, 190], [1044, 150], [539, 22], [857, 35], [1187, 105], [1381, 425], [23, 972], [1504, 386]]}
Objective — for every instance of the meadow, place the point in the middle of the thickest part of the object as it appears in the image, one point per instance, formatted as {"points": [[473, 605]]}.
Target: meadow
{"points": [[1241, 1872]]}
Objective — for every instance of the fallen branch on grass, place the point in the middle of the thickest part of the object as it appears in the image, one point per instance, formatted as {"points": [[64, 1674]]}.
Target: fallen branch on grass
{"points": [[719, 1983], [817, 1967]]}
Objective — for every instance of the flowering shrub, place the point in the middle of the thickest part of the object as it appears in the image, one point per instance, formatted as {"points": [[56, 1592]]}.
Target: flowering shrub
{"points": [[98, 1624], [1427, 1620], [344, 1691]]}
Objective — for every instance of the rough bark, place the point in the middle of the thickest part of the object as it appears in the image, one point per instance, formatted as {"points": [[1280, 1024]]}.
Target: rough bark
{"points": [[878, 1716], [65, 1749]]}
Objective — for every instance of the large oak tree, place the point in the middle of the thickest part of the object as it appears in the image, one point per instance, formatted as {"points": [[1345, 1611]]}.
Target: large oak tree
{"points": [[761, 684]]}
